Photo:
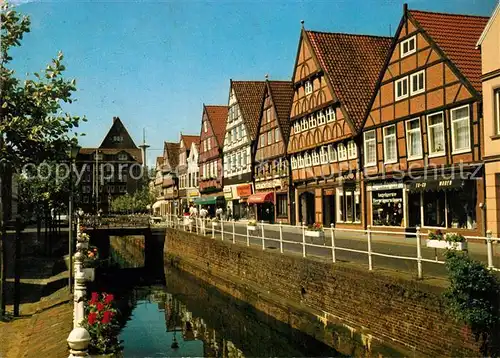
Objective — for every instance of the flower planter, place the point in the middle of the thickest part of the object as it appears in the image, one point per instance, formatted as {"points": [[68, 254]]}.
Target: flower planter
{"points": [[442, 244], [89, 273], [251, 227], [314, 233]]}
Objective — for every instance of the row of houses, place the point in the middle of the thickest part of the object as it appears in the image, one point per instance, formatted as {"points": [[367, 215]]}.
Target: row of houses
{"points": [[396, 131]]}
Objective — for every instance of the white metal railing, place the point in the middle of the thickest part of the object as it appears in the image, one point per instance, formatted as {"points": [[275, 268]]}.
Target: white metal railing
{"points": [[256, 235]]}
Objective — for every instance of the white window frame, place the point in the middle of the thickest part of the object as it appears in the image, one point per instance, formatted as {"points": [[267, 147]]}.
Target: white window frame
{"points": [[315, 158], [294, 162], [409, 52], [323, 154], [308, 87], [396, 88], [277, 135], [366, 142], [453, 123], [307, 159], [296, 127], [386, 137], [496, 109], [300, 161], [321, 118], [352, 150], [209, 140], [331, 116], [408, 144], [205, 126], [122, 156], [312, 121], [332, 153], [433, 154], [304, 124], [270, 137], [419, 90], [205, 145], [341, 152]]}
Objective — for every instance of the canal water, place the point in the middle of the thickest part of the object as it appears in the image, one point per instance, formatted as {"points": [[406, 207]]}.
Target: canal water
{"points": [[179, 316]]}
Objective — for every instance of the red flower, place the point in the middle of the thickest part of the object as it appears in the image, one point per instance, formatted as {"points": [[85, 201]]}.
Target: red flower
{"points": [[95, 298], [109, 298], [107, 317], [100, 306], [92, 318]]}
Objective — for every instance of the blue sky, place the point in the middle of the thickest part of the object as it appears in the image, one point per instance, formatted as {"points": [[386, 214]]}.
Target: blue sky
{"points": [[154, 63]]}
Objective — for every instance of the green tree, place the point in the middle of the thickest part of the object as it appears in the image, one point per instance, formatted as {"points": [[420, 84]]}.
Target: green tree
{"points": [[33, 125]]}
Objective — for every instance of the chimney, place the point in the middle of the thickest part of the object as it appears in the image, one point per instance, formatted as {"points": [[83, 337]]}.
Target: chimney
{"points": [[405, 8]]}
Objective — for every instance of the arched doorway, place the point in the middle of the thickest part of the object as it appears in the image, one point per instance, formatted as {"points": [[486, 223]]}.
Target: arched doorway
{"points": [[306, 208]]}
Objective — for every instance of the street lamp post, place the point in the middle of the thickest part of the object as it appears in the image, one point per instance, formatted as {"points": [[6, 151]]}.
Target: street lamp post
{"points": [[72, 153]]}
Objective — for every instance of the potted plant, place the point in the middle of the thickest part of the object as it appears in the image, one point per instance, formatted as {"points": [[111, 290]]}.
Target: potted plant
{"points": [[252, 225], [451, 240], [90, 263], [102, 324], [315, 230]]}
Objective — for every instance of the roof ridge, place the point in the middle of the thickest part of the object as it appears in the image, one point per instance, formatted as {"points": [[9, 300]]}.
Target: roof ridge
{"points": [[448, 13], [216, 105], [348, 34]]}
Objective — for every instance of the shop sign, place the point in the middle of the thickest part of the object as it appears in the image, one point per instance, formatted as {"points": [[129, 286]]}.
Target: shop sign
{"points": [[436, 185], [276, 183], [329, 192], [244, 190], [386, 186], [389, 196], [194, 193], [228, 193]]}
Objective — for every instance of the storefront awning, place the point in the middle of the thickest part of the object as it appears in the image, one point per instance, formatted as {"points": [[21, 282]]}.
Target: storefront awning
{"points": [[158, 203], [209, 200], [434, 185], [260, 198]]}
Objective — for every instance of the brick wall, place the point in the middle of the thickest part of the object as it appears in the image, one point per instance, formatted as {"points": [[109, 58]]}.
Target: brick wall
{"points": [[345, 304]]}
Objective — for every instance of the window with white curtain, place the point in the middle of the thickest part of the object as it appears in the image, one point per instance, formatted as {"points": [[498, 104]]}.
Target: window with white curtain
{"points": [[341, 152], [370, 145], [435, 133], [332, 153], [352, 150], [323, 155], [330, 114], [460, 129], [320, 116], [390, 145], [413, 139]]}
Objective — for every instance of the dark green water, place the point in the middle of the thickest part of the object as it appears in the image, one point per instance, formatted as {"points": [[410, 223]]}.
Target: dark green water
{"points": [[203, 321]]}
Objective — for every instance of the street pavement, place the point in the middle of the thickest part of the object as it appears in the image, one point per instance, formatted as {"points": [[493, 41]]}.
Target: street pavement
{"points": [[384, 244]]}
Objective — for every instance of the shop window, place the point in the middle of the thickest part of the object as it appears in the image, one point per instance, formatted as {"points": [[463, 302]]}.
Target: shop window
{"points": [[282, 205], [387, 207], [460, 128], [390, 148], [320, 116], [435, 125], [323, 155], [352, 150], [370, 143], [407, 47], [341, 152], [461, 206], [414, 139], [434, 208], [401, 88], [417, 81], [348, 205], [330, 114]]}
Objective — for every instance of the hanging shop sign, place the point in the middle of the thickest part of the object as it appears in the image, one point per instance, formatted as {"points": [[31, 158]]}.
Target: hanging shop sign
{"points": [[244, 190], [228, 193]]}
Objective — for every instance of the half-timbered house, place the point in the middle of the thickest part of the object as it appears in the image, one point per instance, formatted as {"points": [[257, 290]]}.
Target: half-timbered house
{"points": [[245, 101], [422, 137], [213, 129], [334, 77], [271, 168], [185, 182]]}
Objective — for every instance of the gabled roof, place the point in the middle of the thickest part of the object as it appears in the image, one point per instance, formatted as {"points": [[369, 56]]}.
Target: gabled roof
{"points": [[249, 95], [118, 128], [496, 13], [217, 116], [456, 36], [281, 93], [159, 161], [171, 150], [189, 139], [352, 64]]}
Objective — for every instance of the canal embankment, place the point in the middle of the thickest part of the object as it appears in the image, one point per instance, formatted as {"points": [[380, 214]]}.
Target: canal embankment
{"points": [[347, 307]]}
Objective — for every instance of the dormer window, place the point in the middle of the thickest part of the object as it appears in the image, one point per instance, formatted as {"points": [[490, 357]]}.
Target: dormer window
{"points": [[408, 46], [122, 156], [308, 87]]}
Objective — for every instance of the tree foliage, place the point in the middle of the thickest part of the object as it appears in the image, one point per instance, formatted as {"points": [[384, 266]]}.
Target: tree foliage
{"points": [[134, 203]]}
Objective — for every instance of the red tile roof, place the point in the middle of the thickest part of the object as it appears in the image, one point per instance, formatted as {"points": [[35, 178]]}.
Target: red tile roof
{"points": [[282, 96], [352, 64], [190, 139], [249, 95], [136, 154], [456, 35], [217, 116], [171, 151]]}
